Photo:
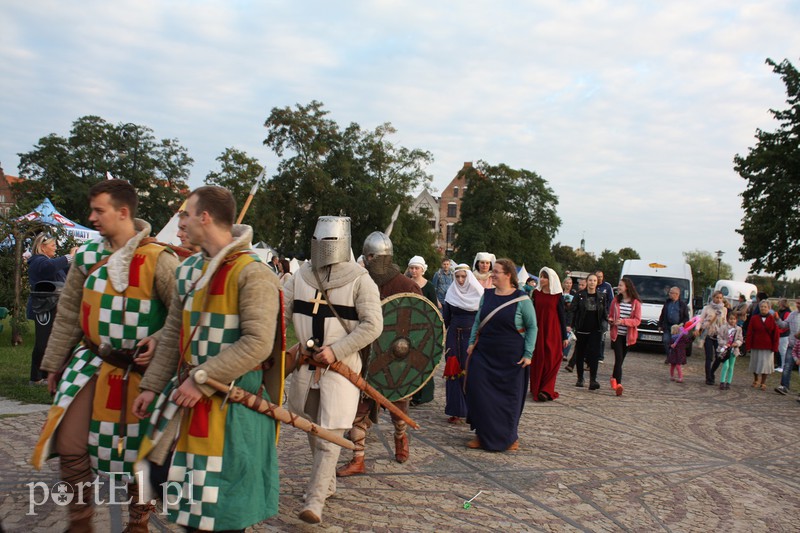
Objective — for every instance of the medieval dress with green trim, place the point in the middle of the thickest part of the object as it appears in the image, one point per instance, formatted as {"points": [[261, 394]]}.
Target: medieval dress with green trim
{"points": [[120, 319], [225, 459]]}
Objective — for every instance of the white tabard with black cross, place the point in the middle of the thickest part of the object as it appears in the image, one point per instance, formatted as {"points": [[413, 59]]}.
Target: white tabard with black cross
{"points": [[313, 319]]}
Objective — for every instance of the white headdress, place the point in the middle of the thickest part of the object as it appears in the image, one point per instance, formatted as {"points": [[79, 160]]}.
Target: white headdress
{"points": [[466, 296], [554, 285]]}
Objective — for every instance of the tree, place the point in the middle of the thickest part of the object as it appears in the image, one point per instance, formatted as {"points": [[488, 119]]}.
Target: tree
{"points": [[704, 269], [568, 259], [65, 169], [611, 264], [776, 288], [12, 285], [238, 173], [350, 172], [771, 223], [628, 253], [509, 212]]}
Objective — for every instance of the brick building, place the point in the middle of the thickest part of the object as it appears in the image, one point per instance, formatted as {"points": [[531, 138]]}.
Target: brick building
{"points": [[444, 211], [7, 200]]}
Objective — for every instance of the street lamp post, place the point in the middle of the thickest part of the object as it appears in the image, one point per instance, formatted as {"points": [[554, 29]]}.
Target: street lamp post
{"points": [[719, 261], [126, 133]]}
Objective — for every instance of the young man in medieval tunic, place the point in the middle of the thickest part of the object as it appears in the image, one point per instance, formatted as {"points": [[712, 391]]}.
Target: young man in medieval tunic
{"points": [[222, 320], [378, 254], [109, 315], [326, 397]]}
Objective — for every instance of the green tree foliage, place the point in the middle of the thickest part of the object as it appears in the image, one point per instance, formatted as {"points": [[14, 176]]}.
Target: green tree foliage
{"points": [[704, 269], [510, 213], [327, 170], [238, 173], [774, 287], [64, 169], [610, 263], [568, 259], [13, 274], [771, 223]]}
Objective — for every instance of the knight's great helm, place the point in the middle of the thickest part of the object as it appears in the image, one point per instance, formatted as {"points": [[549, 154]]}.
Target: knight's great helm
{"points": [[378, 252], [330, 243]]}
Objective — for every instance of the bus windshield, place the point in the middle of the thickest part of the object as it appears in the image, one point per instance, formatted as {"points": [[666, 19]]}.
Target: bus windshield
{"points": [[655, 290]]}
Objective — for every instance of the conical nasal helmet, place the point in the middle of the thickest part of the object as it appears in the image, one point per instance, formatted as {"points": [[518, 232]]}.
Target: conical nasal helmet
{"points": [[330, 243], [377, 243]]}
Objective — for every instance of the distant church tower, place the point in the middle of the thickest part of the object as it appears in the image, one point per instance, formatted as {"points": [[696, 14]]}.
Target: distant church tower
{"points": [[583, 244]]}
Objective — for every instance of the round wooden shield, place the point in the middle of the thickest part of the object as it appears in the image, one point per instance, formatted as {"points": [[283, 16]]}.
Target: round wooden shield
{"points": [[410, 348]]}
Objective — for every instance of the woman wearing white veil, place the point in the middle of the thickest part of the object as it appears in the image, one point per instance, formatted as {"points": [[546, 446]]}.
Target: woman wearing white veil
{"points": [[482, 268], [461, 303], [552, 339]]}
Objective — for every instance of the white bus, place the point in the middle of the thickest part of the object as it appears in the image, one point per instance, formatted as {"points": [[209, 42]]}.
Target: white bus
{"points": [[652, 280]]}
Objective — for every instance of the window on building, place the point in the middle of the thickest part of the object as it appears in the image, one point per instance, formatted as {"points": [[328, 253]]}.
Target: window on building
{"points": [[452, 210], [451, 234], [432, 224], [455, 192]]}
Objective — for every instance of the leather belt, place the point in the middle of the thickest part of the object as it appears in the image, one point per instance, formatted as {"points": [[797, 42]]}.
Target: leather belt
{"points": [[121, 359], [118, 358]]}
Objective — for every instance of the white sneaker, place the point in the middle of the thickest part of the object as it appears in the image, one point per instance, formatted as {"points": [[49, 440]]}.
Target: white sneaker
{"points": [[779, 369]]}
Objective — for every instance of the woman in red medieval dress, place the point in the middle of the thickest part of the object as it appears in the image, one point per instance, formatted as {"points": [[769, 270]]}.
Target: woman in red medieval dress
{"points": [[552, 338]]}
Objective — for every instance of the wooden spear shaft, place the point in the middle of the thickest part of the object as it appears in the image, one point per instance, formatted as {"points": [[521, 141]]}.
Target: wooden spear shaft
{"points": [[256, 403], [356, 379], [249, 200]]}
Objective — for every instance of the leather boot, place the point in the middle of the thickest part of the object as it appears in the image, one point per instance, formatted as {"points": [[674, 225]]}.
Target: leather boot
{"points": [[355, 466], [138, 518], [401, 449]]}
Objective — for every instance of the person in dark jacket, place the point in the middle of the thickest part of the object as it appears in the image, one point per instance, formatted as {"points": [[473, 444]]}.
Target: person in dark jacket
{"points": [[589, 321], [44, 266], [675, 311]]}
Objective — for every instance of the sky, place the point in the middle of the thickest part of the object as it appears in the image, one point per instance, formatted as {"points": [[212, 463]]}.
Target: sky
{"points": [[632, 110]]}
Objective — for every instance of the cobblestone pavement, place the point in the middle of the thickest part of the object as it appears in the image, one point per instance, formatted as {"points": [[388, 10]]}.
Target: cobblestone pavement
{"points": [[663, 457]]}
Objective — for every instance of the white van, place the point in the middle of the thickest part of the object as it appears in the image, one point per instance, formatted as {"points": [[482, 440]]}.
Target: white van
{"points": [[732, 289], [652, 280]]}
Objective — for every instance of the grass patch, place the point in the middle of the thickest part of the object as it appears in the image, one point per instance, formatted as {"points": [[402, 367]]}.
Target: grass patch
{"points": [[15, 368]]}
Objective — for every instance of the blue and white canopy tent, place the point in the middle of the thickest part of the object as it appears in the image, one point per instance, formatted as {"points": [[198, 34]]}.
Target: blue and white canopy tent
{"points": [[46, 213]]}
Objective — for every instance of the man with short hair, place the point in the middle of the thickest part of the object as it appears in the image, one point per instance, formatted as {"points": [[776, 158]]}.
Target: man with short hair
{"points": [[442, 280], [110, 314], [674, 311], [334, 303], [606, 288], [223, 320]]}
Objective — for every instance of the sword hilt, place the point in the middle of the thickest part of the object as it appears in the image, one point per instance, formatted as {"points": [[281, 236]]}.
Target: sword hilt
{"points": [[200, 376], [313, 345]]}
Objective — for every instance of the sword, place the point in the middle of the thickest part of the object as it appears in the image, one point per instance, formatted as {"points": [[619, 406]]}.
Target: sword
{"points": [[258, 404], [356, 379]]}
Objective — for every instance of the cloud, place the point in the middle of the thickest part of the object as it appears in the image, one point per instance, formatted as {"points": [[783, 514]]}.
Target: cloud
{"points": [[635, 109]]}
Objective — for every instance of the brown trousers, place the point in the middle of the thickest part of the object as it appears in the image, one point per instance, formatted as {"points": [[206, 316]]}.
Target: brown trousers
{"points": [[72, 445]]}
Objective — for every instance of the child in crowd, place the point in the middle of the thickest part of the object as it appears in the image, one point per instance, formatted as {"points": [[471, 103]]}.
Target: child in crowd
{"points": [[677, 352], [729, 352]]}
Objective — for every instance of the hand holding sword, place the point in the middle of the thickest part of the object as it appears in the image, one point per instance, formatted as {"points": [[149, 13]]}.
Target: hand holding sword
{"points": [[354, 378]]}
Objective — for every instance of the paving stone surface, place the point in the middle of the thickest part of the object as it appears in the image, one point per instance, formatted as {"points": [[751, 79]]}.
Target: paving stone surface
{"points": [[662, 457]]}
